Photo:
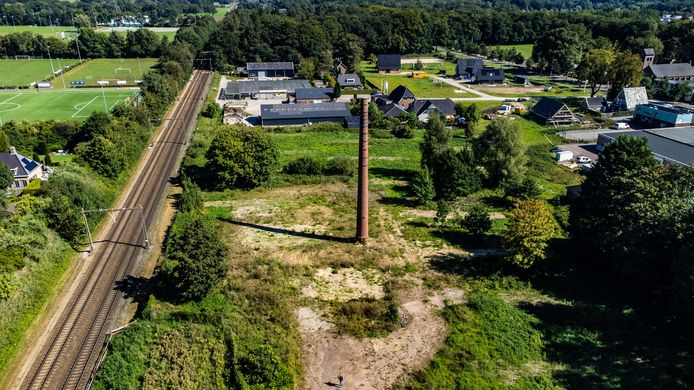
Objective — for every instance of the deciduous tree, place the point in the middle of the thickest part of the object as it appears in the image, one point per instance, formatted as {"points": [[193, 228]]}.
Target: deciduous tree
{"points": [[530, 227], [596, 68], [500, 150]]}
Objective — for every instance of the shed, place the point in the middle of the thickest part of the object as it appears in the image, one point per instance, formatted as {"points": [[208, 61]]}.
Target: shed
{"points": [[525, 80], [389, 63], [553, 111], [594, 104]]}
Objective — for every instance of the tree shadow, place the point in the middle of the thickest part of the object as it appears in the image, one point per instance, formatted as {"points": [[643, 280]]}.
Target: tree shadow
{"points": [[392, 173], [272, 229], [138, 289]]}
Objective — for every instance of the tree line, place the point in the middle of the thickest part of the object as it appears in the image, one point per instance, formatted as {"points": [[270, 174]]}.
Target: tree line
{"points": [[86, 13]]}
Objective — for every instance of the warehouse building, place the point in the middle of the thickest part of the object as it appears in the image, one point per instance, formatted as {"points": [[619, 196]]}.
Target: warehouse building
{"points": [[306, 114], [663, 115], [313, 95], [270, 69], [669, 146], [263, 89]]}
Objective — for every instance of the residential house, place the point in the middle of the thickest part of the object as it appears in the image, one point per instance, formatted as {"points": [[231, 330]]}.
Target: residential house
{"points": [[663, 115], [490, 76], [553, 112], [270, 69], [23, 168], [392, 110], [313, 95], [305, 114], [389, 63], [628, 98], [594, 104], [424, 108], [467, 68], [349, 80], [671, 72], [402, 96]]}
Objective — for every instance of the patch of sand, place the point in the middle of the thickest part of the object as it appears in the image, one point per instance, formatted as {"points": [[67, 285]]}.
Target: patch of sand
{"points": [[376, 363]]}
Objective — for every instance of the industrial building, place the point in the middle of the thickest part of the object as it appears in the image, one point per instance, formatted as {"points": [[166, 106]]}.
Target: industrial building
{"points": [[270, 69], [313, 95], [306, 114], [263, 89], [663, 115], [669, 146]]}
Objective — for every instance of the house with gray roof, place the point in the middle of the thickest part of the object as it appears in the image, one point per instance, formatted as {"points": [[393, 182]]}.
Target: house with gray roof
{"points": [[23, 168], [270, 69], [628, 98], [490, 76], [594, 104], [424, 108], [467, 68], [402, 96], [392, 110], [553, 112], [349, 80], [389, 63], [671, 72]]}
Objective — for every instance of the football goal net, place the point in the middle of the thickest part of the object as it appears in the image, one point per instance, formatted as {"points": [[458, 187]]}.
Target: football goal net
{"points": [[22, 57], [121, 71]]}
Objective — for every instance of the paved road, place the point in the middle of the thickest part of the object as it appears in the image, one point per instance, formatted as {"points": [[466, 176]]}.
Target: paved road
{"points": [[66, 352]]}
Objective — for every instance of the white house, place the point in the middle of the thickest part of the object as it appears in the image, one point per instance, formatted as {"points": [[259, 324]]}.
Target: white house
{"points": [[23, 168]]}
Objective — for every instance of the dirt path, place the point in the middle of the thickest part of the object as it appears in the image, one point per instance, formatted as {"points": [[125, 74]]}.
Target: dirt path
{"points": [[376, 363]]}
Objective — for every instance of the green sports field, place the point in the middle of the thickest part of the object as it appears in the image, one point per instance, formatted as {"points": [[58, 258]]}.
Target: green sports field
{"points": [[110, 69], [46, 31], [24, 72], [60, 105]]}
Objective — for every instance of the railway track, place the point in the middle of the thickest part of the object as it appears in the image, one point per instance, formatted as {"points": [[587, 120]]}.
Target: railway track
{"points": [[68, 358]]}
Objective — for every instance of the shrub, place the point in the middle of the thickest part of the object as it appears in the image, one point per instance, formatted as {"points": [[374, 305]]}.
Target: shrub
{"points": [[304, 166], [263, 369], [7, 284], [526, 188], [422, 186], [341, 166], [442, 211], [403, 131], [211, 110], [477, 220], [367, 317]]}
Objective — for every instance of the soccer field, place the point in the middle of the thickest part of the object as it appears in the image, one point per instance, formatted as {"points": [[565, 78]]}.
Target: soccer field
{"points": [[59, 105], [111, 70], [24, 72], [47, 31]]}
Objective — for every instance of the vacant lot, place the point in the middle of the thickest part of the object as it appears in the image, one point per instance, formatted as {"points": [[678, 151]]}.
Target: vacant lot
{"points": [[59, 105], [422, 88], [111, 70], [24, 72]]}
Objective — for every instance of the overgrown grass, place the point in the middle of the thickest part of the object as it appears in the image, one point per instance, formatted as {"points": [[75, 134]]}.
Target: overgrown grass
{"points": [[366, 317], [422, 88]]}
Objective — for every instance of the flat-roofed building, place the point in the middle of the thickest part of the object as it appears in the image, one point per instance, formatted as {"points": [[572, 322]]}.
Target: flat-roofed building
{"points": [[669, 146], [306, 114], [263, 89], [663, 115], [270, 69]]}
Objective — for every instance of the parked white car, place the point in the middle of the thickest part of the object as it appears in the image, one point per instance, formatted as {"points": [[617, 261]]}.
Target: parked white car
{"points": [[621, 126], [581, 159]]}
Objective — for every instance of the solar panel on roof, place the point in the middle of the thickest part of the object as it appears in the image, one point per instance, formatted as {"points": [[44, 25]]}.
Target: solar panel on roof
{"points": [[29, 165]]}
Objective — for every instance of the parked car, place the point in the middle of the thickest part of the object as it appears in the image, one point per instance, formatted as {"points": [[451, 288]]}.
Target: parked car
{"points": [[621, 126], [521, 99], [581, 159], [556, 149]]}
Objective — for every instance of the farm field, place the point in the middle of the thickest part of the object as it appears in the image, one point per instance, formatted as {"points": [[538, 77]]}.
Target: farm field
{"points": [[46, 31], [24, 72], [58, 105], [128, 69], [422, 88]]}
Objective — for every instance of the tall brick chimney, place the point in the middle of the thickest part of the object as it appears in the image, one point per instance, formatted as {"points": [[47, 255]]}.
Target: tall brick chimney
{"points": [[363, 181]]}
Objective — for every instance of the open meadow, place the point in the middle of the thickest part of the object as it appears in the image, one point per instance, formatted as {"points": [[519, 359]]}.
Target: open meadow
{"points": [[23, 72], [59, 105], [422, 88], [525, 49], [111, 70]]}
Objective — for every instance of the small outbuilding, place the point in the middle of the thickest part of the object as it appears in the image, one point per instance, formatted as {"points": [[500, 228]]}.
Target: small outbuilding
{"points": [[553, 112], [594, 104]]}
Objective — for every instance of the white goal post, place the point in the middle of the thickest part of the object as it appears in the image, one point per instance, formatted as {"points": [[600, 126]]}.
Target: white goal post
{"points": [[22, 57], [122, 70]]}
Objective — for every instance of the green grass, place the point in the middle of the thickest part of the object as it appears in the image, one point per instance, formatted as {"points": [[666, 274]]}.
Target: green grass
{"points": [[161, 34], [58, 105], [422, 88], [24, 72], [525, 49], [220, 12], [46, 31], [111, 69]]}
